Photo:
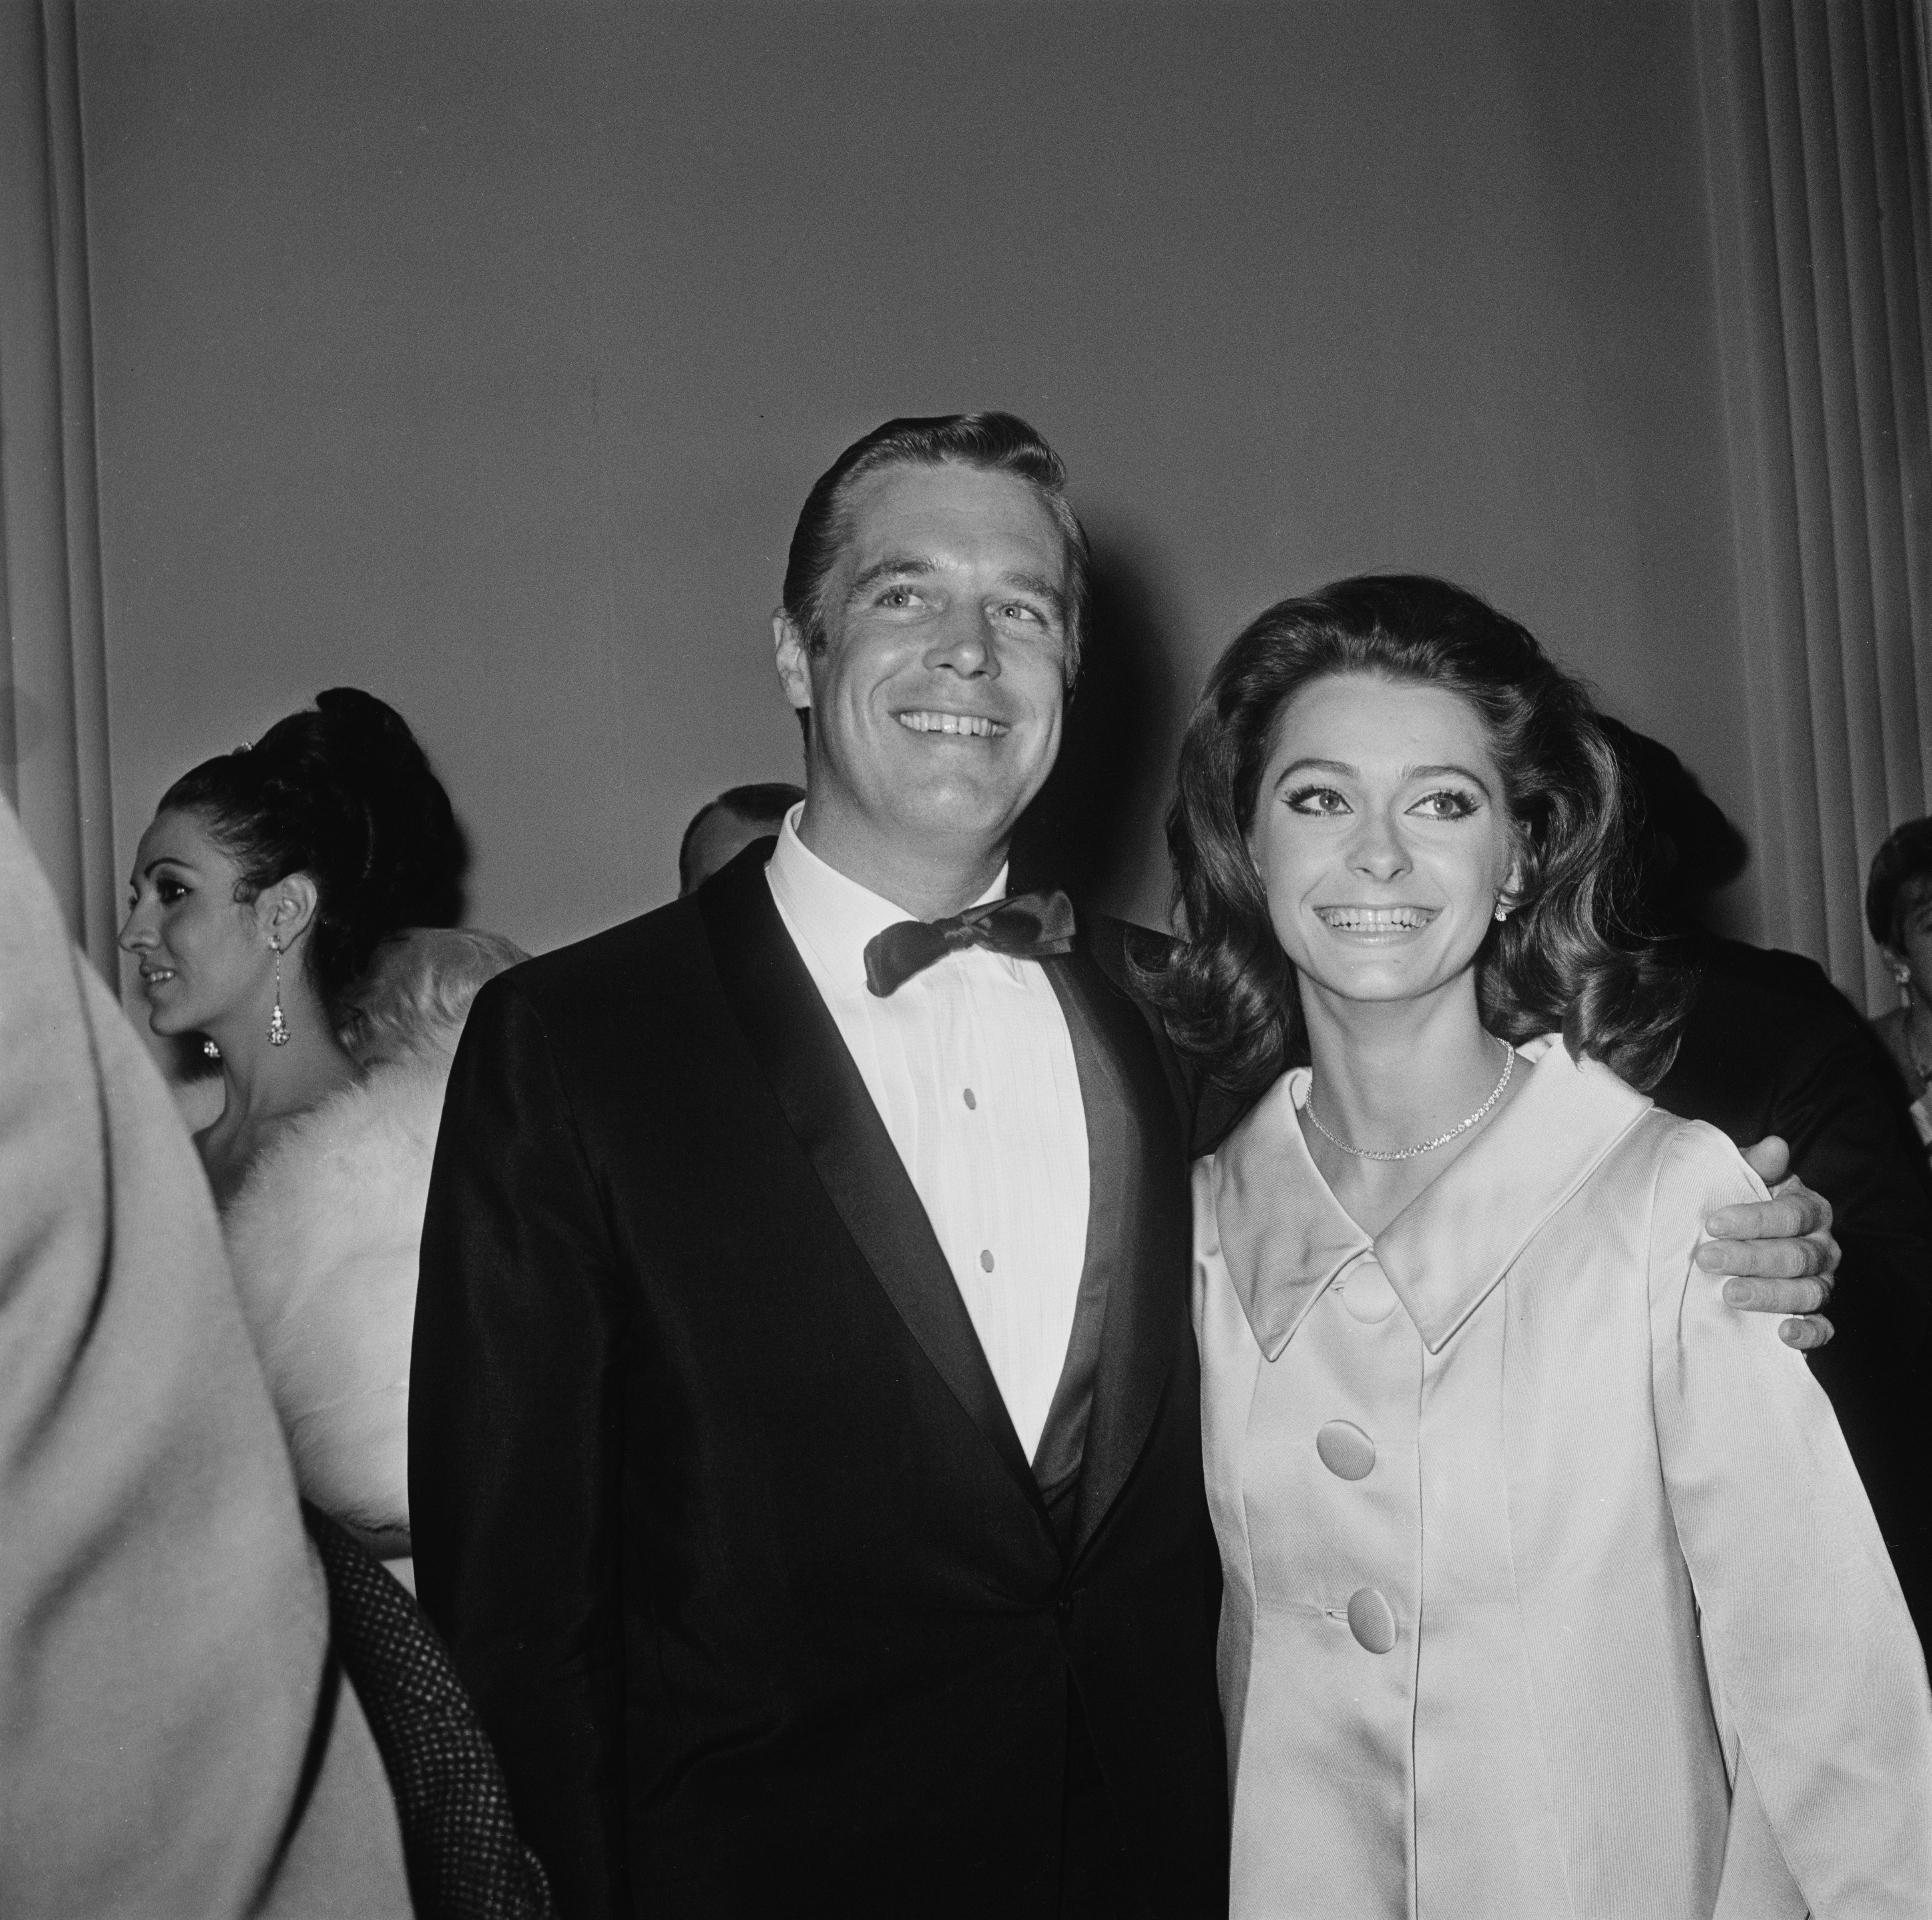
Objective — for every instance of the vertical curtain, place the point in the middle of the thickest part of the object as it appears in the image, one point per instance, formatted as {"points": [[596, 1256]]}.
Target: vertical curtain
{"points": [[53, 674], [1816, 138]]}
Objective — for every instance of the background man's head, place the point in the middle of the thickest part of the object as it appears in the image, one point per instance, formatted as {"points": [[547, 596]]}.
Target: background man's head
{"points": [[934, 602], [723, 828]]}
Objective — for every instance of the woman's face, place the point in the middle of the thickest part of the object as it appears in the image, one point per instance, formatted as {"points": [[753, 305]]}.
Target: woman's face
{"points": [[1380, 835], [1914, 950], [202, 953]]}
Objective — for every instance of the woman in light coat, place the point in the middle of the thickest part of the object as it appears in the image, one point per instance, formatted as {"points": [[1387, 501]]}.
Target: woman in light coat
{"points": [[1550, 1588]]}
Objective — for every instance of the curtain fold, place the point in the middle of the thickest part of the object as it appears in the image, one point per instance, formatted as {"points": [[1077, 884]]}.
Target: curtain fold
{"points": [[53, 675], [1816, 140]]}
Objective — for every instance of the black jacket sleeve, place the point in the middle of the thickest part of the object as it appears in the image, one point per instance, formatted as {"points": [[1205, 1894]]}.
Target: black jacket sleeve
{"points": [[1850, 1142], [515, 1475]]}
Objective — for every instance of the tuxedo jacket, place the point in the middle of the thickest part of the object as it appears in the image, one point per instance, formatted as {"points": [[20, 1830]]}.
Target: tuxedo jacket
{"points": [[1769, 1045], [714, 1498]]}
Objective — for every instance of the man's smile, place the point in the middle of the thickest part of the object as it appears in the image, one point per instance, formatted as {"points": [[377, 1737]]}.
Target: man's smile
{"points": [[927, 720]]}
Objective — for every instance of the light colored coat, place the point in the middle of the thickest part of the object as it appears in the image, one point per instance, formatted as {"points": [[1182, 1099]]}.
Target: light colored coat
{"points": [[1551, 1589], [176, 1738]]}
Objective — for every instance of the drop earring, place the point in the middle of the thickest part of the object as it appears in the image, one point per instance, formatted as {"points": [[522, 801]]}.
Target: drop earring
{"points": [[1903, 975], [213, 1052], [1502, 912], [278, 1028]]}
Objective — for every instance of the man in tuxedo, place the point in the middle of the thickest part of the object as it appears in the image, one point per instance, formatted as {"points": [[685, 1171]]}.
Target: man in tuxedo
{"points": [[805, 1464]]}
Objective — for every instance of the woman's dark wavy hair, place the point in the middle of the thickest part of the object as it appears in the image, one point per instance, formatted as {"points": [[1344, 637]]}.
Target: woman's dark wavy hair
{"points": [[342, 792], [1564, 958]]}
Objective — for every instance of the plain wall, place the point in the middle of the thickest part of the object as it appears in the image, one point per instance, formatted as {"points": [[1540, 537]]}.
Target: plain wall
{"points": [[480, 354]]}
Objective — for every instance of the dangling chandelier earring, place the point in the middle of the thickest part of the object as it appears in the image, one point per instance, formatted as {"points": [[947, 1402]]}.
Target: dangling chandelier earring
{"points": [[1903, 975], [278, 1028]]}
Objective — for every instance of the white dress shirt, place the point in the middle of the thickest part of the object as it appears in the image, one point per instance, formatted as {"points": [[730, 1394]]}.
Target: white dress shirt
{"points": [[971, 1067]]}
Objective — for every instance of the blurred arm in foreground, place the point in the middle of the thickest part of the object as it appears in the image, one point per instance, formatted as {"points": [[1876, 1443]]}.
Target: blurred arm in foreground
{"points": [[176, 1736]]}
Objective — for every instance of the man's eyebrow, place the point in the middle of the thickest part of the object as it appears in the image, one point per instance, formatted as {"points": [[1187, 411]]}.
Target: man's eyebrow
{"points": [[895, 566], [1041, 587]]}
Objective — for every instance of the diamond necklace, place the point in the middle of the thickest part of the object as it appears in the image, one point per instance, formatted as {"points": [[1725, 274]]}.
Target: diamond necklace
{"points": [[1427, 1146]]}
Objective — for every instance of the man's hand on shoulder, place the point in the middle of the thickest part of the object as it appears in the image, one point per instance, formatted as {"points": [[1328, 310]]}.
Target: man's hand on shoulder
{"points": [[1779, 1254]]}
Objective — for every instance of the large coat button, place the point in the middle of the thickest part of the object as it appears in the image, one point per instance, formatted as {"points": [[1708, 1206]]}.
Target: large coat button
{"points": [[1345, 1450], [1370, 1621], [1367, 1295]]}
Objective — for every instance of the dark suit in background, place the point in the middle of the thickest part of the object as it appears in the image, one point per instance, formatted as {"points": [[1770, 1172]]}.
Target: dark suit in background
{"points": [[1770, 1046], [716, 1500]]}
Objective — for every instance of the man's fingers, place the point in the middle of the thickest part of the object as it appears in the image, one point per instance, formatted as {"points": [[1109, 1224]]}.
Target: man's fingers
{"points": [[1767, 1296], [1770, 1159], [1807, 1335], [1787, 1216], [1769, 1259]]}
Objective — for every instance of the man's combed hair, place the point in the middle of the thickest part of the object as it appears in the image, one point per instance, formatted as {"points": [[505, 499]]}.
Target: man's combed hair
{"points": [[993, 442], [1564, 959]]}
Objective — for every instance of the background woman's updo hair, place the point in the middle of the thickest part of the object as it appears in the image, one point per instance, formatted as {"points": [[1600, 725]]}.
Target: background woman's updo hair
{"points": [[1565, 959], [342, 793]]}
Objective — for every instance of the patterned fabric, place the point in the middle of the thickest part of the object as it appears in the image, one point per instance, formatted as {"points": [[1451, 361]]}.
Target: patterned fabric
{"points": [[460, 1842]]}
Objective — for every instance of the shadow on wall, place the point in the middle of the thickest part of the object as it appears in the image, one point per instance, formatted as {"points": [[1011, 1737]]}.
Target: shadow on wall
{"points": [[1085, 831]]}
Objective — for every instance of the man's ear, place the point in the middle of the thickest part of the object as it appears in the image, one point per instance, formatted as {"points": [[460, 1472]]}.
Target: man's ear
{"points": [[286, 909], [793, 658]]}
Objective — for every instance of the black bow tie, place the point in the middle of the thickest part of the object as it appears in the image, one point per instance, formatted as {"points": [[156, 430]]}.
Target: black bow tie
{"points": [[1024, 926]]}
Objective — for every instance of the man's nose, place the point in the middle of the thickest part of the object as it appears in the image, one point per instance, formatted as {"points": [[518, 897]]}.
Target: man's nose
{"points": [[964, 642]]}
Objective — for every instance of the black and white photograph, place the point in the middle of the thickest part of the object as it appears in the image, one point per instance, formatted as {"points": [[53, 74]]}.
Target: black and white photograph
{"points": [[966, 959]]}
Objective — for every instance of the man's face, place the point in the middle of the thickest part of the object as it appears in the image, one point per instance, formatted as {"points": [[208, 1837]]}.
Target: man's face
{"points": [[936, 703]]}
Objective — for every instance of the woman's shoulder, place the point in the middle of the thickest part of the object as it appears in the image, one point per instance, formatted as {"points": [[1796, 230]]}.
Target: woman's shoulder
{"points": [[345, 1179]]}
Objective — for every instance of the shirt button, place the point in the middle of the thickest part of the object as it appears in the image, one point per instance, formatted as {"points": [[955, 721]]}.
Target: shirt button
{"points": [[1345, 1450], [970, 1102], [985, 1260], [1367, 1295], [1370, 1621]]}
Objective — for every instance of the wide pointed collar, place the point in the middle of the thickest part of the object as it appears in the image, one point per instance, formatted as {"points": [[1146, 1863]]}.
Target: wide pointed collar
{"points": [[1286, 1236]]}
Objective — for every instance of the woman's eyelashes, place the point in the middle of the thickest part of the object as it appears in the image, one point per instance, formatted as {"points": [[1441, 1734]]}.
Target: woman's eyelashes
{"points": [[1317, 800], [1446, 803], [1440, 803]]}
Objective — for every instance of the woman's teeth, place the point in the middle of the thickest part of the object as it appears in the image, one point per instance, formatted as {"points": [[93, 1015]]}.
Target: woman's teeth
{"points": [[976, 724], [1374, 919]]}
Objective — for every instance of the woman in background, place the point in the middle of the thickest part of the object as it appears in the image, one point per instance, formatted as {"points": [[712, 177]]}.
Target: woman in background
{"points": [[1898, 910], [1550, 1588], [274, 897], [260, 893]]}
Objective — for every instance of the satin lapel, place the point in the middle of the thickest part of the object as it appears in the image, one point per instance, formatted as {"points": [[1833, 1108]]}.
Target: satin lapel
{"points": [[797, 1046], [1146, 1321]]}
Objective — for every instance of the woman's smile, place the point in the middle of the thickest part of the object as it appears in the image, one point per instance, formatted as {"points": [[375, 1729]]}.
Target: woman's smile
{"points": [[1376, 926]]}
